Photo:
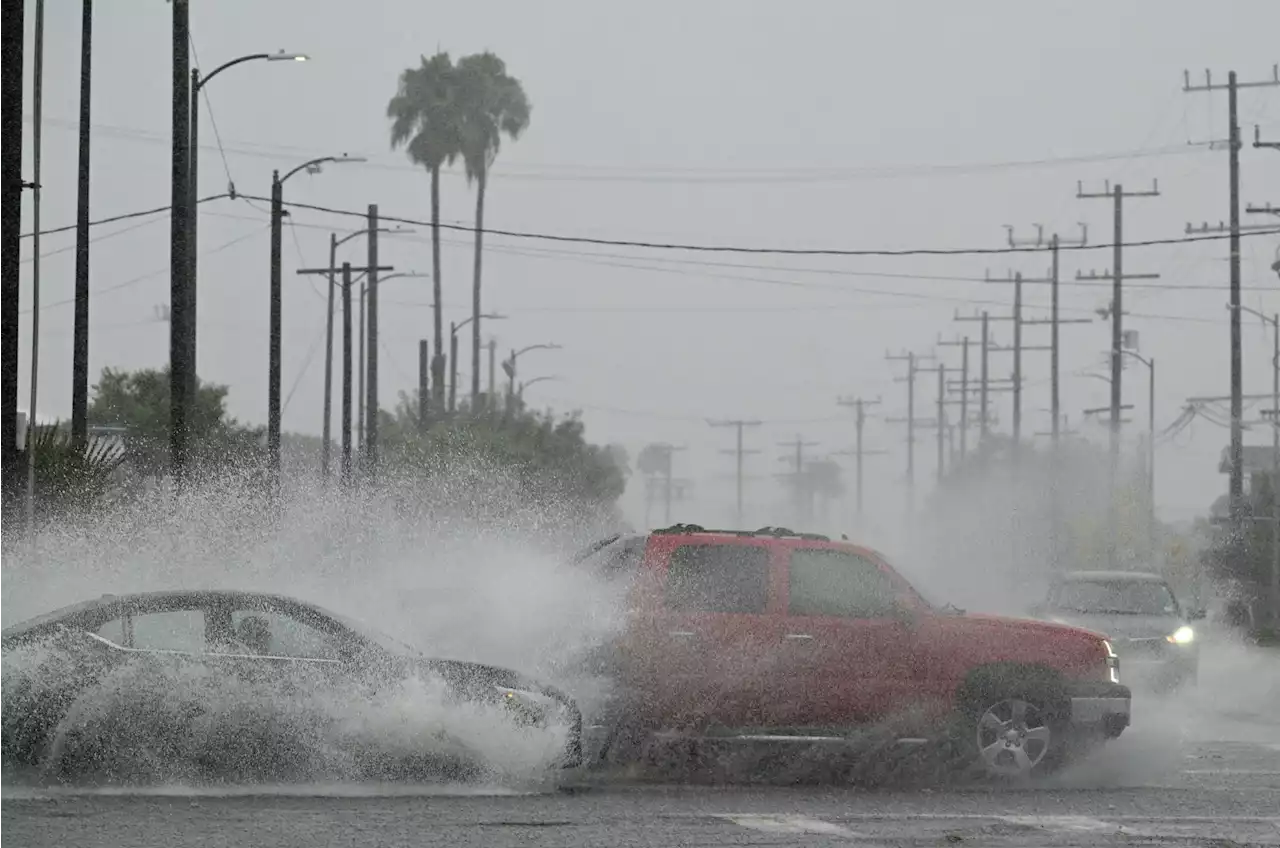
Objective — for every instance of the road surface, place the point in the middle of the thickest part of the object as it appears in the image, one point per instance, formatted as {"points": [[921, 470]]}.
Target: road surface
{"points": [[1202, 771]]}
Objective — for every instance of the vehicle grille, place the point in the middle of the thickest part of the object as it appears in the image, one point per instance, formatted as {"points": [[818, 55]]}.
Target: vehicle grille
{"points": [[1141, 649]]}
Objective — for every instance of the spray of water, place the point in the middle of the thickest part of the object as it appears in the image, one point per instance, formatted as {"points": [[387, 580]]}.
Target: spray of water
{"points": [[463, 566]]}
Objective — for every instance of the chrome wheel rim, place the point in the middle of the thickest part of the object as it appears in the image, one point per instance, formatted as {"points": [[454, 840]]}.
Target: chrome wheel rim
{"points": [[1013, 738]]}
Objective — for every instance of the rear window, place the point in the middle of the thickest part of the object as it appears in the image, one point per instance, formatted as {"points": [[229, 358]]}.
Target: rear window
{"points": [[718, 578]]}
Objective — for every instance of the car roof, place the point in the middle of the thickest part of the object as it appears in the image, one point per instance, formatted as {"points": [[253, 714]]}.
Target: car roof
{"points": [[1115, 576]]}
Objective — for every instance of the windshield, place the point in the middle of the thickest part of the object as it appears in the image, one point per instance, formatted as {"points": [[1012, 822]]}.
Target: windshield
{"points": [[372, 634], [1122, 597]]}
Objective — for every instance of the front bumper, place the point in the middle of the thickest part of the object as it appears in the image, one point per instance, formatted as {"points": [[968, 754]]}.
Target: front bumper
{"points": [[1100, 704]]}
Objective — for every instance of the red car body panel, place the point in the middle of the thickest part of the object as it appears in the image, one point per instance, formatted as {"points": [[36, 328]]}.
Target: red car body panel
{"points": [[775, 669]]}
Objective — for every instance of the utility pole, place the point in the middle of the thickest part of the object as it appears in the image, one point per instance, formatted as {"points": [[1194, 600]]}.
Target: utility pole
{"points": [[179, 261], [325, 433], [963, 344], [1117, 195], [371, 433], [13, 34], [802, 491], [912, 359], [1017, 348], [739, 453], [347, 284], [346, 374], [667, 450], [424, 370], [984, 377], [80, 342], [493, 374], [860, 405], [1236, 488], [1055, 320]]}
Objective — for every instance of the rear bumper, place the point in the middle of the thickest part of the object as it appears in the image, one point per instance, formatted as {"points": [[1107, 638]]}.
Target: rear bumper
{"points": [[1105, 705]]}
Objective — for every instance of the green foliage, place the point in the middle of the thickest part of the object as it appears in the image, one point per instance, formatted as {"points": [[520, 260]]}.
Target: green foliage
{"points": [[492, 104], [138, 401], [425, 113], [70, 478], [546, 456]]}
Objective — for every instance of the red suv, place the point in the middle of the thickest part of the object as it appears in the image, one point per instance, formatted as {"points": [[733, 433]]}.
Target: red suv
{"points": [[773, 634]]}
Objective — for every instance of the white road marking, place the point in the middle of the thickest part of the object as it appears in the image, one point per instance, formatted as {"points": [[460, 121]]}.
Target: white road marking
{"points": [[786, 824], [1067, 823]]}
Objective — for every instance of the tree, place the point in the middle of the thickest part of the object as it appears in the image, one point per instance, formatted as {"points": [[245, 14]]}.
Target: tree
{"points": [[536, 461], [493, 104], [138, 402], [426, 122]]}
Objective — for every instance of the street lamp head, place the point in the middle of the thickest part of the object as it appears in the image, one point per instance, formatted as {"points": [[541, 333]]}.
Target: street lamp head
{"points": [[282, 56]]}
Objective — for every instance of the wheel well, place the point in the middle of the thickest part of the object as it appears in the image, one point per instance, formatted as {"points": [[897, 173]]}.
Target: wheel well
{"points": [[986, 684]]}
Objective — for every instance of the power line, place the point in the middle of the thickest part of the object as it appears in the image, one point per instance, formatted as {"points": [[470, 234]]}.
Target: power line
{"points": [[778, 251], [127, 216]]}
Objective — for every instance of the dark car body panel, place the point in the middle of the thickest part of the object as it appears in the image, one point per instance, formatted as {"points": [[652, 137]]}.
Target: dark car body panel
{"points": [[362, 656]]}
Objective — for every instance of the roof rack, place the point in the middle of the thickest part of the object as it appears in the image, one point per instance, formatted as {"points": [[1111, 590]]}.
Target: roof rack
{"points": [[773, 532]]}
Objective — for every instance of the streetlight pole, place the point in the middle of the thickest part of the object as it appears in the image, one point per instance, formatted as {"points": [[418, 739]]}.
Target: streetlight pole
{"points": [[510, 365], [453, 357], [277, 303], [1151, 446], [197, 83], [525, 385], [1274, 321]]}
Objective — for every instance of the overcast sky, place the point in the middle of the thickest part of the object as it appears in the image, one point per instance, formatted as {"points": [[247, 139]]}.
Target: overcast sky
{"points": [[811, 124]]}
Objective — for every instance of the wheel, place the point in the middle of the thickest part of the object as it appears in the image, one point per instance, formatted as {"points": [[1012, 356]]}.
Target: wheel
{"points": [[1014, 722], [1015, 738]]}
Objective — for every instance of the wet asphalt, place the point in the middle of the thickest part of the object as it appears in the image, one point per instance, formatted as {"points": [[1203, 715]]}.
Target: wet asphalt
{"points": [[1201, 771]]}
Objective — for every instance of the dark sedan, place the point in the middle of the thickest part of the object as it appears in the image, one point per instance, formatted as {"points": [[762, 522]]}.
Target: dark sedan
{"points": [[273, 642]]}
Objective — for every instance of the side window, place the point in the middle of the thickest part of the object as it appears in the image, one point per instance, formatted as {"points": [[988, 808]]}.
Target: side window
{"points": [[840, 584], [171, 630], [273, 634], [718, 578]]}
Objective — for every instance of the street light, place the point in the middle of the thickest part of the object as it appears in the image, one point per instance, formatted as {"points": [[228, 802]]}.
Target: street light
{"points": [[523, 386], [273, 367], [197, 83], [1151, 442], [453, 355], [1274, 321], [509, 367]]}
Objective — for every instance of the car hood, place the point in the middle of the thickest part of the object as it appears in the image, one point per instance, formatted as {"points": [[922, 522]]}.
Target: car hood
{"points": [[1030, 625], [1121, 626]]}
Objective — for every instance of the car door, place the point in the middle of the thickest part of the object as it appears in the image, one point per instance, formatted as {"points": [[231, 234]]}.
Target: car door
{"points": [[271, 645], [848, 643], [699, 641]]}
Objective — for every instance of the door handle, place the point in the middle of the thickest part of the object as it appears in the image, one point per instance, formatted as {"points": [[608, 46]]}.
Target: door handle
{"points": [[799, 637], [681, 634]]}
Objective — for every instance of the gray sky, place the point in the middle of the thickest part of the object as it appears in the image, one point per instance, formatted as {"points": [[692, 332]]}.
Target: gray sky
{"points": [[822, 125]]}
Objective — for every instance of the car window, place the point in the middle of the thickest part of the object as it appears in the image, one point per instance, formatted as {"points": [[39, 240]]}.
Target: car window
{"points": [[273, 634], [171, 630], [838, 583], [619, 559], [1115, 597], [718, 578]]}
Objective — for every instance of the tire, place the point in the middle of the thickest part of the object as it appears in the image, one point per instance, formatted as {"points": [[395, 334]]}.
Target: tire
{"points": [[1014, 722]]}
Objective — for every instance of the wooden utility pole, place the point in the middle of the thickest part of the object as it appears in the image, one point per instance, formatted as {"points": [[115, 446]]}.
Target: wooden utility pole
{"points": [[739, 453], [860, 405], [347, 283], [371, 425], [798, 444], [1055, 321], [179, 261], [424, 372], [913, 360], [1236, 486]]}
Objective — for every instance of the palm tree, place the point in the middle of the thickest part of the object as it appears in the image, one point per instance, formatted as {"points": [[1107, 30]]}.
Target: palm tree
{"points": [[493, 104], [425, 120]]}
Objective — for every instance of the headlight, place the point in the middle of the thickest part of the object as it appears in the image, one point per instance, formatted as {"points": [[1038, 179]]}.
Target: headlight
{"points": [[1113, 662], [1184, 635], [530, 707]]}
